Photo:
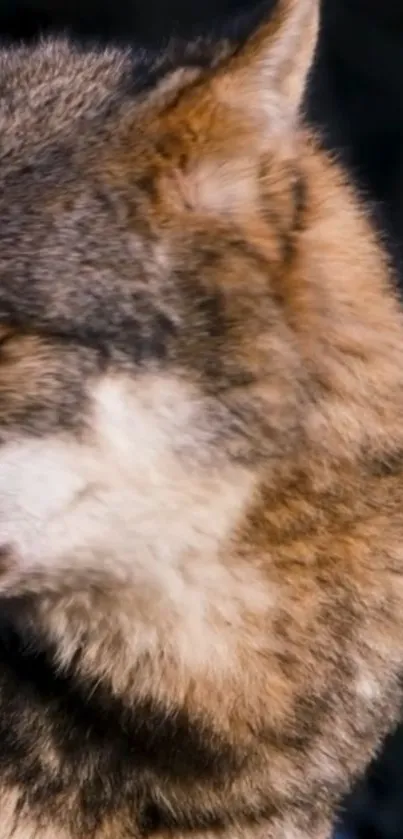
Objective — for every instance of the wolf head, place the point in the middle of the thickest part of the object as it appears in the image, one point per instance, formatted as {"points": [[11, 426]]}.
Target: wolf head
{"points": [[147, 369]]}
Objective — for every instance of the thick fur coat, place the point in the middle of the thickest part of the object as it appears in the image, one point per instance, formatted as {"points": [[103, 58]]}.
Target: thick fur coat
{"points": [[201, 471]]}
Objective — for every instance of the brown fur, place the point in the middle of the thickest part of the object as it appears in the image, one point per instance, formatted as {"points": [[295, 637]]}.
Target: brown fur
{"points": [[201, 460]]}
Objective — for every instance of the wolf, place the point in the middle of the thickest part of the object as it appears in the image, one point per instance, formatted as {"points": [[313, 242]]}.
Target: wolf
{"points": [[201, 469]]}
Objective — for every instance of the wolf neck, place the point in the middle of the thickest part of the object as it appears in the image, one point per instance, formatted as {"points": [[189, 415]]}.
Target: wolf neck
{"points": [[348, 323], [175, 661]]}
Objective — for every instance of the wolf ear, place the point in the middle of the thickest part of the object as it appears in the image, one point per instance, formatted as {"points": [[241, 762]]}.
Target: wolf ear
{"points": [[269, 74], [245, 108]]}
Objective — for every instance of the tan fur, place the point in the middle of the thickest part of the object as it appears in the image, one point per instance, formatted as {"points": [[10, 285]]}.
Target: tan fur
{"points": [[201, 459], [23, 827]]}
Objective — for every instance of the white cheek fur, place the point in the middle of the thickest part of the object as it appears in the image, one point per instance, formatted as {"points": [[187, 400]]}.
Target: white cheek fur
{"points": [[37, 482], [122, 502], [121, 510]]}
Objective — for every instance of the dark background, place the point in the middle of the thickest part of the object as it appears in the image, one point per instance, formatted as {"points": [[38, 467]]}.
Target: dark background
{"points": [[356, 99]]}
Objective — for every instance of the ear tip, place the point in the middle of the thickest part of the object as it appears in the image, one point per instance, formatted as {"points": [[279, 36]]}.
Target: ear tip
{"points": [[276, 59]]}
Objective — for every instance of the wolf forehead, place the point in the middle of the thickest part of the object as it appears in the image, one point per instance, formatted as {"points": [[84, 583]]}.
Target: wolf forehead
{"points": [[73, 255], [79, 260], [97, 242]]}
